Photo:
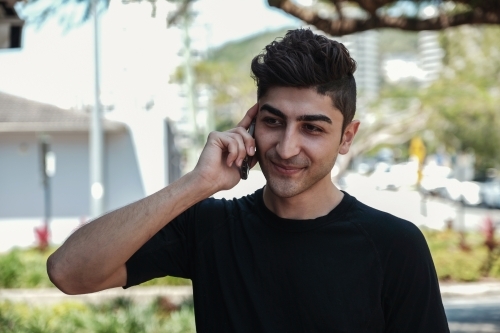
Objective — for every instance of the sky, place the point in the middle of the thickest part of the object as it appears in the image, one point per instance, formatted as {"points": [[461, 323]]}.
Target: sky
{"points": [[138, 53]]}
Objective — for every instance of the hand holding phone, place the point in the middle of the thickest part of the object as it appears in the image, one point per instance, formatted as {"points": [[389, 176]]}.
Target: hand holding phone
{"points": [[245, 165]]}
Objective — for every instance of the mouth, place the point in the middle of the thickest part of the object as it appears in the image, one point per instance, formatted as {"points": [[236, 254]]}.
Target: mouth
{"points": [[286, 169]]}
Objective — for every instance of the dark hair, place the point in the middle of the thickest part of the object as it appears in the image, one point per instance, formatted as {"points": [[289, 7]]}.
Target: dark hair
{"points": [[303, 59]]}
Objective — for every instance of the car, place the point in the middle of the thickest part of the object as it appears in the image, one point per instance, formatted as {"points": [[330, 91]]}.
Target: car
{"points": [[394, 177], [471, 193], [437, 180], [490, 193]]}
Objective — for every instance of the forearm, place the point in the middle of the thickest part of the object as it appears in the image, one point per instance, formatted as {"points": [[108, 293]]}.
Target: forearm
{"points": [[94, 257], [96, 251]]}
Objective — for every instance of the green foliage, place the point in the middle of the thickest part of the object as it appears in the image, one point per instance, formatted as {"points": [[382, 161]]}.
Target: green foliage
{"points": [[453, 263], [167, 281], [394, 41], [24, 269], [27, 269], [226, 74], [463, 103], [120, 316]]}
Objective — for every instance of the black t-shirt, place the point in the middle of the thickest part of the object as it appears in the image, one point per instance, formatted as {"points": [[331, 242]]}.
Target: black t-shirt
{"points": [[356, 269]]}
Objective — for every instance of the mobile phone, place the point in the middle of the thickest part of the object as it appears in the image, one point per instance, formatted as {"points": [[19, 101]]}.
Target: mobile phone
{"points": [[245, 166]]}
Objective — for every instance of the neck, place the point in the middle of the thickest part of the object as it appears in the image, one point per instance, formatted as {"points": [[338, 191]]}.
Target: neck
{"points": [[316, 201]]}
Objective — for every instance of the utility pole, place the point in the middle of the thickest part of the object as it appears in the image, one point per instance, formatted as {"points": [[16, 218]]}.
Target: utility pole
{"points": [[190, 89], [44, 152], [96, 131], [48, 170]]}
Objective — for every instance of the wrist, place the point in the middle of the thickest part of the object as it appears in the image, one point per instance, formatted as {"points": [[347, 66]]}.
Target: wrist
{"points": [[204, 186]]}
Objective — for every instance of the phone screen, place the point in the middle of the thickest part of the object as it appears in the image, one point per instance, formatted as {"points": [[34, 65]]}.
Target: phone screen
{"points": [[245, 166]]}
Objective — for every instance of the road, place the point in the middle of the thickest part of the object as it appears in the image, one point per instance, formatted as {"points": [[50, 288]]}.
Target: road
{"points": [[473, 314], [407, 204]]}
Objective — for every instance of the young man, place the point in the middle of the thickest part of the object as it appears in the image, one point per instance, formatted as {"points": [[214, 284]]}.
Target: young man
{"points": [[298, 255]]}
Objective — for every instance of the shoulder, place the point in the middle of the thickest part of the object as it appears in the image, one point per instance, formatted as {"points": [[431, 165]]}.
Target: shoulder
{"points": [[378, 223], [213, 212], [386, 232]]}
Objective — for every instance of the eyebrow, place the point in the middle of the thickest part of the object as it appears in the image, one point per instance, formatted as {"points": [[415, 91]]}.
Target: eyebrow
{"points": [[308, 117]]}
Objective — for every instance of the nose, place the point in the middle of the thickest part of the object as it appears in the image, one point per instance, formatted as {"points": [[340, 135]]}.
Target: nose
{"points": [[289, 144]]}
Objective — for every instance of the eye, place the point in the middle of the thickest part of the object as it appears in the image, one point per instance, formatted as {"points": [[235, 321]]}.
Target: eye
{"points": [[272, 121], [312, 129]]}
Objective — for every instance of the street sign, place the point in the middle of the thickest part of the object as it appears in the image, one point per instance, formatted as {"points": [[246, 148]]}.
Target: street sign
{"points": [[417, 149]]}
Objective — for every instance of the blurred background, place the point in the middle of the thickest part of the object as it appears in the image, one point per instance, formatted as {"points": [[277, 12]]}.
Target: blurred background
{"points": [[104, 102]]}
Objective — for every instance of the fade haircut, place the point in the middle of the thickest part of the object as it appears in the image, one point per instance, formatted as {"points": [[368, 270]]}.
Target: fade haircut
{"points": [[303, 59]]}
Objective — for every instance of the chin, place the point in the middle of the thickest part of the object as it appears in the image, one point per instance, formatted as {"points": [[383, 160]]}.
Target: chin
{"points": [[283, 188]]}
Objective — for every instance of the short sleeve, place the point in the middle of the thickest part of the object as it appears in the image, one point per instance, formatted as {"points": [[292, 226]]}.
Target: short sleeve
{"points": [[411, 296], [166, 253], [171, 251]]}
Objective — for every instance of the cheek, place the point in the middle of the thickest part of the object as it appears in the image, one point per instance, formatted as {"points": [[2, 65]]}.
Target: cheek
{"points": [[321, 150], [263, 140]]}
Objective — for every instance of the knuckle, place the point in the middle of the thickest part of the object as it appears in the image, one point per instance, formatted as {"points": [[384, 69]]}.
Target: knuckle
{"points": [[212, 134]]}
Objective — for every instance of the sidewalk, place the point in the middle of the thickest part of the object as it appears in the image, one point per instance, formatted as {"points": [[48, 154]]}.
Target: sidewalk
{"points": [[178, 294], [47, 296], [469, 289]]}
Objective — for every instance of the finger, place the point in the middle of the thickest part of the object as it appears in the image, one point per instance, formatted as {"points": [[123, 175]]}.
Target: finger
{"points": [[249, 116], [248, 140], [232, 149], [241, 153], [232, 143]]}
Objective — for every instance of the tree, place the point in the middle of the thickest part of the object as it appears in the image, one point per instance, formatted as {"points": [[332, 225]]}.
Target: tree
{"points": [[463, 102], [342, 17], [460, 108], [74, 12], [225, 73]]}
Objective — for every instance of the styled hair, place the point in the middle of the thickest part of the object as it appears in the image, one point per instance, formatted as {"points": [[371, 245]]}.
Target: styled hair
{"points": [[303, 59]]}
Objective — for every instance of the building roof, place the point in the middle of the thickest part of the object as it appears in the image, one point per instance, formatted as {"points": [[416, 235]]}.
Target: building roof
{"points": [[18, 114]]}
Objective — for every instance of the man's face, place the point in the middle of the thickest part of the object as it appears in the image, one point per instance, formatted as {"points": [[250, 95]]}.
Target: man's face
{"points": [[298, 137]]}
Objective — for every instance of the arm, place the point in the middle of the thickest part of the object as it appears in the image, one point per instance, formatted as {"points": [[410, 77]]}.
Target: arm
{"points": [[93, 258]]}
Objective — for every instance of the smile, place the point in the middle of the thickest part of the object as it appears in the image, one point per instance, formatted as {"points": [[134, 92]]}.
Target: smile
{"points": [[286, 170]]}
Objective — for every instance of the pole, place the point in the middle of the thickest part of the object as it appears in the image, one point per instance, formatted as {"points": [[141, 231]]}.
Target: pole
{"points": [[96, 131], [44, 149], [190, 92], [189, 78]]}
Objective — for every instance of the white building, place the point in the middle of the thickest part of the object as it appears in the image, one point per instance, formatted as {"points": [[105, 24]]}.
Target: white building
{"points": [[430, 55], [24, 123]]}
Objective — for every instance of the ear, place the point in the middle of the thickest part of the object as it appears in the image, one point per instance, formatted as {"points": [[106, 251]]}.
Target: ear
{"points": [[348, 137]]}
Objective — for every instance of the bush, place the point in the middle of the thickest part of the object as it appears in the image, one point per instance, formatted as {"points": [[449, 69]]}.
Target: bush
{"points": [[118, 316], [454, 263], [26, 268]]}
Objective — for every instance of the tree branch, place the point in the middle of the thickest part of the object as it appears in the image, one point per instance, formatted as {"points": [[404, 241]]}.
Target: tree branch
{"points": [[340, 27], [172, 19]]}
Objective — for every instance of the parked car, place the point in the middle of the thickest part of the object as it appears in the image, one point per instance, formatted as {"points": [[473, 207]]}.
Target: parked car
{"points": [[439, 181], [471, 193], [393, 177], [490, 193]]}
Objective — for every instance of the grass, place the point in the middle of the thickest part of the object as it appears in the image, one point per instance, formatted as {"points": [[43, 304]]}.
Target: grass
{"points": [[117, 316]]}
